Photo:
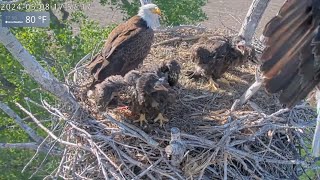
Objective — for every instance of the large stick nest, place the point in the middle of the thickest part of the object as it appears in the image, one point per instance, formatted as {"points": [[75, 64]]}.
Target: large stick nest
{"points": [[260, 140]]}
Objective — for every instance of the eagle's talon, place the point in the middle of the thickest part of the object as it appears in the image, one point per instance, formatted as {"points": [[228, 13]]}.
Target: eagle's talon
{"points": [[189, 74], [193, 75], [141, 119], [161, 119], [213, 86]]}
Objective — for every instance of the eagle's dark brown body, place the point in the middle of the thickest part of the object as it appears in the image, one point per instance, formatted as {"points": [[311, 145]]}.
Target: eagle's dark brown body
{"points": [[291, 59], [126, 47], [213, 57]]}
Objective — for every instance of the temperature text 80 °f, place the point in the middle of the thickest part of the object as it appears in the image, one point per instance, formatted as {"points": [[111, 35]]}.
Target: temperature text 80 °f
{"points": [[33, 19], [25, 19]]}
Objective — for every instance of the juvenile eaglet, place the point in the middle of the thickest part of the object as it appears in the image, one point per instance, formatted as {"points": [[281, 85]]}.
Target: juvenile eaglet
{"points": [[127, 45], [106, 93], [153, 91], [214, 56]]}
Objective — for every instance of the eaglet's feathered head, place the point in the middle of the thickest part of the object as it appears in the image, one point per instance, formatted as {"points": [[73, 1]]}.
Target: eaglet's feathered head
{"points": [[149, 83], [239, 43], [150, 13], [171, 71]]}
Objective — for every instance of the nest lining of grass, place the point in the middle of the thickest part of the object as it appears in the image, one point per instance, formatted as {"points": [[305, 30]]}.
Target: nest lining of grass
{"points": [[259, 141]]}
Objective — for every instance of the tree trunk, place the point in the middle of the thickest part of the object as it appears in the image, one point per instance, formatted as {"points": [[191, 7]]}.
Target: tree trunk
{"points": [[34, 69], [252, 19]]}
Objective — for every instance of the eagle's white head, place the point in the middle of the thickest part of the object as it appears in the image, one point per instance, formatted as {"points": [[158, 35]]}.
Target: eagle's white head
{"points": [[150, 13]]}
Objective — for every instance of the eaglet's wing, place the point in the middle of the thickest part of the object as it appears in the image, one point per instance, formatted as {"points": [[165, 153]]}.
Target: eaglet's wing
{"points": [[290, 59]]}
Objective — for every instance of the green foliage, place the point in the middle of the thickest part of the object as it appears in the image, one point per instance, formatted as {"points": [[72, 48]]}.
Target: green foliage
{"points": [[57, 49], [307, 173], [175, 12], [182, 11], [13, 161]]}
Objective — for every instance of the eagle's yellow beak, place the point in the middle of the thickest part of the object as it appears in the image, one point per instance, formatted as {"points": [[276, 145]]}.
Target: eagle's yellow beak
{"points": [[156, 11]]}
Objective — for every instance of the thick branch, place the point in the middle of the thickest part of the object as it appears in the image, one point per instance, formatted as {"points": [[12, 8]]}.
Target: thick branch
{"points": [[20, 122], [35, 70], [316, 137], [30, 146], [252, 19]]}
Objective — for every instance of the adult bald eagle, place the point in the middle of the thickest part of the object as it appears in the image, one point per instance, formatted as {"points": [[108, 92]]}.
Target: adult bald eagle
{"points": [[127, 45], [291, 58], [153, 92], [214, 56]]}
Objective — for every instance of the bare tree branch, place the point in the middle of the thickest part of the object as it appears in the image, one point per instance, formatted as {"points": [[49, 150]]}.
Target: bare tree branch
{"points": [[252, 19], [47, 130], [30, 146], [35, 70], [20, 122], [247, 31], [316, 137]]}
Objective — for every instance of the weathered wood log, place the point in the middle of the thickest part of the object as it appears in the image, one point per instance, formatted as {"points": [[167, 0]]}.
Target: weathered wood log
{"points": [[247, 31], [316, 137], [44, 78], [252, 19], [176, 149]]}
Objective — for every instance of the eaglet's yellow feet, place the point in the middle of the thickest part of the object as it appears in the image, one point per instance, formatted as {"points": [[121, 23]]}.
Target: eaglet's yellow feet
{"points": [[141, 119], [213, 86], [161, 119]]}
